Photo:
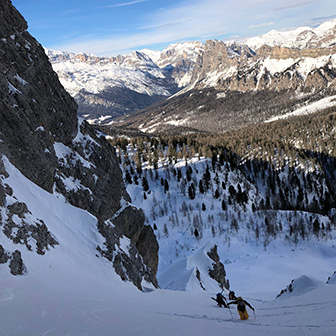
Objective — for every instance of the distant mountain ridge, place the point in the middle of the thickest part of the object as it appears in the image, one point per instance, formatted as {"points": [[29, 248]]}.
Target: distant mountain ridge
{"points": [[233, 86], [298, 63], [106, 88], [324, 36]]}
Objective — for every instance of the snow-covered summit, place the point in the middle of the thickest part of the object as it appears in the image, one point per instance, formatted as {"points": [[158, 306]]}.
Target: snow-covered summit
{"points": [[94, 74], [174, 52], [303, 37], [179, 59]]}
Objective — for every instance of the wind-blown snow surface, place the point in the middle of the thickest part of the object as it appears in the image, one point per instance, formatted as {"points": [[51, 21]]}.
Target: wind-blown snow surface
{"points": [[70, 291]]}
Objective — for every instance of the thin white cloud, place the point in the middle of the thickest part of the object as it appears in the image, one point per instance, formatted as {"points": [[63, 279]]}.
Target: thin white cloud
{"points": [[265, 24], [296, 4], [122, 4], [200, 20]]}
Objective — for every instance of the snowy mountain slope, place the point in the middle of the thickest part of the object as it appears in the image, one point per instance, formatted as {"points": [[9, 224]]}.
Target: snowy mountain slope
{"points": [[234, 85], [74, 229], [93, 74], [309, 108], [304, 37], [231, 90], [243, 234], [160, 313], [92, 300], [191, 273], [64, 209], [179, 59], [269, 73], [108, 87]]}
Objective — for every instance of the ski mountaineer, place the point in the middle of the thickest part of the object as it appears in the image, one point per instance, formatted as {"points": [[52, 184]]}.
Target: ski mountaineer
{"points": [[232, 295], [241, 307], [221, 301]]}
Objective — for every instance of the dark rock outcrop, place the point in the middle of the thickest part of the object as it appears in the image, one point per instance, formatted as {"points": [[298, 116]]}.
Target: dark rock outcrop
{"points": [[16, 264], [218, 271], [23, 232], [3, 255], [41, 136]]}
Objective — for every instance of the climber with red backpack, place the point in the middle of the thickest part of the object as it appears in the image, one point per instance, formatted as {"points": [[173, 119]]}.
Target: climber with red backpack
{"points": [[241, 307]]}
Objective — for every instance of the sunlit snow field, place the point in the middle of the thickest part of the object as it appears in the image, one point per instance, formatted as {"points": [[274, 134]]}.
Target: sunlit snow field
{"points": [[70, 291]]}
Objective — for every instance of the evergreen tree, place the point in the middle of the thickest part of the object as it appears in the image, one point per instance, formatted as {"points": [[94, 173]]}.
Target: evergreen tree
{"points": [[316, 227], [200, 187], [145, 184], [179, 175], [128, 177], [196, 234], [189, 173], [166, 186], [191, 191], [207, 178]]}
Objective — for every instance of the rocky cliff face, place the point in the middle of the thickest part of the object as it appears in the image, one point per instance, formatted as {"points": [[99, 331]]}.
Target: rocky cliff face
{"points": [[179, 60], [41, 136], [238, 68], [218, 56]]}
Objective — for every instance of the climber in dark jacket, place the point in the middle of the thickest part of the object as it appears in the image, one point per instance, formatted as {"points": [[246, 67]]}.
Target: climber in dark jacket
{"points": [[221, 301], [241, 307], [232, 295]]}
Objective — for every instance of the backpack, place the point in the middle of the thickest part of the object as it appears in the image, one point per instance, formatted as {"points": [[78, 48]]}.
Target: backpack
{"points": [[241, 305]]}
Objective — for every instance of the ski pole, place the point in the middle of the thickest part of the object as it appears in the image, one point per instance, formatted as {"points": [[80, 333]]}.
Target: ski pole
{"points": [[230, 313], [254, 315]]}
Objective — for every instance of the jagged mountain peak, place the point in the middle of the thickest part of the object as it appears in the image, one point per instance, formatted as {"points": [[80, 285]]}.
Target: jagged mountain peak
{"points": [[322, 36]]}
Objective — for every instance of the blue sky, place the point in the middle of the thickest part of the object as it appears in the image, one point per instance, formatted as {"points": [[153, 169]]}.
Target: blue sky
{"points": [[112, 27]]}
